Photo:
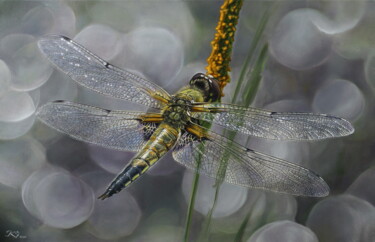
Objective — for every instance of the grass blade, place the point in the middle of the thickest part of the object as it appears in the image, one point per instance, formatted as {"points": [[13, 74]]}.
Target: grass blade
{"points": [[218, 66], [242, 228], [192, 200], [246, 68], [253, 78]]}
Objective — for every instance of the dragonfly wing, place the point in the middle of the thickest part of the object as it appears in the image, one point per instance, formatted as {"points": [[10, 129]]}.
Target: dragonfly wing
{"points": [[120, 130], [273, 125], [246, 167], [96, 74]]}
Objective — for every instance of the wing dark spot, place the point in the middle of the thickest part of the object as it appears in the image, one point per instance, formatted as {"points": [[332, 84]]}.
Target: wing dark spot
{"points": [[64, 37], [249, 150]]}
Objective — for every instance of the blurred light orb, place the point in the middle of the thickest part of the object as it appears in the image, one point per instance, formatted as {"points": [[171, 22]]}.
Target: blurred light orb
{"points": [[289, 105], [175, 16], [297, 43], [96, 179], [341, 98], [47, 233], [64, 19], [160, 233], [5, 77], [163, 216], [124, 15], [370, 69], [287, 231], [231, 197], [358, 42], [50, 18], [156, 52], [11, 43], [114, 217], [63, 201], [263, 206], [37, 21], [16, 106], [58, 87], [274, 206], [165, 166], [18, 159], [35, 96], [184, 76], [101, 40], [13, 130], [28, 187], [368, 233], [337, 16], [341, 218], [29, 67], [360, 187], [281, 206], [110, 160]]}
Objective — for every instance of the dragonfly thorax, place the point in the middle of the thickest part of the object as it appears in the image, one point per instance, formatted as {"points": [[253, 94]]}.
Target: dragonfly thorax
{"points": [[177, 112]]}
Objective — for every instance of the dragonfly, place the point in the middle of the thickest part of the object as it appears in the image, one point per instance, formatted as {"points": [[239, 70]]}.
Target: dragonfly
{"points": [[178, 124]]}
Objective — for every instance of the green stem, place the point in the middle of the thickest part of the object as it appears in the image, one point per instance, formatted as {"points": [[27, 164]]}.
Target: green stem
{"points": [[191, 204], [194, 188], [218, 66], [252, 86], [254, 44], [241, 231]]}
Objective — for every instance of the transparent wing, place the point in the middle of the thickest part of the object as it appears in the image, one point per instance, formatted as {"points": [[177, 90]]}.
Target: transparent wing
{"points": [[94, 73], [120, 130], [273, 125], [246, 167]]}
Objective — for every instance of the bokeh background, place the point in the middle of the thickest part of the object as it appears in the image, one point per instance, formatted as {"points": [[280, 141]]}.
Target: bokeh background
{"points": [[321, 59]]}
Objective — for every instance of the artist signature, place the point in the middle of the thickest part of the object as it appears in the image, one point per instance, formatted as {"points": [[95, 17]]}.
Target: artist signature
{"points": [[14, 234]]}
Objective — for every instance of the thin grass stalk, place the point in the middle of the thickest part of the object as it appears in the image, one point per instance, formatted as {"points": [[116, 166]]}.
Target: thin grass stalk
{"points": [[241, 230], [218, 66], [253, 78], [192, 197], [249, 58]]}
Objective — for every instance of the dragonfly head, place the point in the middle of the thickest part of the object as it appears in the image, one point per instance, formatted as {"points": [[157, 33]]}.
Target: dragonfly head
{"points": [[208, 85]]}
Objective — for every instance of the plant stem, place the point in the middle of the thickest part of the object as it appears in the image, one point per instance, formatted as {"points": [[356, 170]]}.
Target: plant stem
{"points": [[218, 66], [191, 203], [253, 78]]}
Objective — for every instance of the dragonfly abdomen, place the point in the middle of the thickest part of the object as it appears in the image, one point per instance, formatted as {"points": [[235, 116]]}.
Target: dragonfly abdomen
{"points": [[130, 173], [163, 139]]}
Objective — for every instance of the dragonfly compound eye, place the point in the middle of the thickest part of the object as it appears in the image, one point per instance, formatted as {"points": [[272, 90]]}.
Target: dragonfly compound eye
{"points": [[207, 84]]}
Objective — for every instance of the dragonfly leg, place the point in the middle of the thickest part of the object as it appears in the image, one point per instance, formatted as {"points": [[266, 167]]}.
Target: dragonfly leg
{"points": [[152, 117], [196, 130]]}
